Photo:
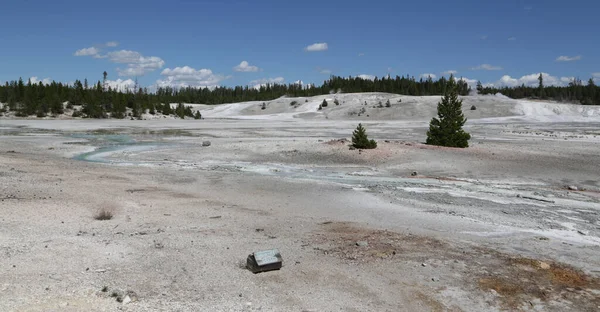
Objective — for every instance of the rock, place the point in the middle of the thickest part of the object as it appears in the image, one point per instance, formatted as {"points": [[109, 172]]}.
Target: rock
{"points": [[414, 174], [362, 244], [582, 233], [352, 148], [205, 143], [423, 264], [544, 265], [127, 299], [435, 279], [572, 188], [473, 107], [263, 261]]}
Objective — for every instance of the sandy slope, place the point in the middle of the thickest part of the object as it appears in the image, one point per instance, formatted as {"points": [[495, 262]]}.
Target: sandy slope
{"points": [[492, 227]]}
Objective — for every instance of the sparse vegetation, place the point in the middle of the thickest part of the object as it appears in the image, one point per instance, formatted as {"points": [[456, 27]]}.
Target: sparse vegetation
{"points": [[293, 103], [360, 139], [388, 104], [104, 214], [198, 115], [263, 106], [324, 104], [446, 130], [473, 107], [336, 102]]}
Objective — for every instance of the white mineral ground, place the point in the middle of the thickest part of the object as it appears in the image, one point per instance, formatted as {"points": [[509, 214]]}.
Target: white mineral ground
{"points": [[510, 223]]}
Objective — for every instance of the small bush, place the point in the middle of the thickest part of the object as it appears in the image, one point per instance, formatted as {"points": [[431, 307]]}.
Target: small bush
{"points": [[388, 104], [104, 214], [77, 113], [293, 103], [320, 107], [264, 106], [324, 104], [473, 107], [69, 105], [198, 115], [336, 102], [306, 101], [360, 139]]}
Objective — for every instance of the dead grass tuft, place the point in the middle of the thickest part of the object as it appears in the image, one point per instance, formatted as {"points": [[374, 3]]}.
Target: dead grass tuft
{"points": [[103, 214]]}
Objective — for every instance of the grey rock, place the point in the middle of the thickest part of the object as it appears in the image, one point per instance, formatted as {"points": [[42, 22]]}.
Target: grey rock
{"points": [[414, 174], [573, 188], [206, 143], [362, 244]]}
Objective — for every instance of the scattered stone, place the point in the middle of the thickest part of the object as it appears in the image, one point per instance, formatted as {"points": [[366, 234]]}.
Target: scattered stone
{"points": [[259, 230], [215, 217], [413, 174], [423, 264], [205, 143], [435, 279], [573, 188], [543, 238], [544, 265], [362, 244], [105, 289], [473, 107], [582, 233]]}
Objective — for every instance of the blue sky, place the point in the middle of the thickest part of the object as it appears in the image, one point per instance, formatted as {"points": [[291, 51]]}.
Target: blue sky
{"points": [[204, 43]]}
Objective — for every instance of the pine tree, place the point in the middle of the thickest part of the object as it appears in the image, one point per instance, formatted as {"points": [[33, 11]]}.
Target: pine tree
{"points": [[541, 92], [446, 130], [324, 104], [198, 115], [360, 139]]}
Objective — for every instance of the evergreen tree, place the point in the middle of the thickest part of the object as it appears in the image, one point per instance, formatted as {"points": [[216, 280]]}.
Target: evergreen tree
{"points": [[479, 87], [198, 115], [324, 104], [541, 92], [360, 139], [446, 130]]}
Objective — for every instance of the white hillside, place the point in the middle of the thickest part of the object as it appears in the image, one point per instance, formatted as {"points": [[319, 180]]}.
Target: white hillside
{"points": [[410, 108]]}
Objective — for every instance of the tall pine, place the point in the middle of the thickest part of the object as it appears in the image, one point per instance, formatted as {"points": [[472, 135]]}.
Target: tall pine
{"points": [[446, 130]]}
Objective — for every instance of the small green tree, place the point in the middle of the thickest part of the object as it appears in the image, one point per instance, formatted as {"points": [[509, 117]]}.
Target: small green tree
{"points": [[324, 104], [360, 139], [198, 115], [388, 104], [446, 130]]}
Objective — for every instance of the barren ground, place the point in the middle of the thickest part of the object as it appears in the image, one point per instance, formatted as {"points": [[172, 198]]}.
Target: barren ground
{"points": [[511, 223]]}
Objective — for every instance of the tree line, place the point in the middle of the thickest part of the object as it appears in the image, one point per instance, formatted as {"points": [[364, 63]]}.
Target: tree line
{"points": [[575, 92], [98, 100]]}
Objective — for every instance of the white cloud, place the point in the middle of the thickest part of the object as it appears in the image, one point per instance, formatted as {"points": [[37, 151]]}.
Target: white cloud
{"points": [[112, 44], [486, 67], [181, 77], [35, 80], [449, 72], [266, 81], [532, 80], [366, 77], [299, 82], [246, 67], [596, 75], [137, 64], [121, 85], [317, 47], [325, 71], [92, 51], [564, 58], [426, 76], [512, 38]]}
